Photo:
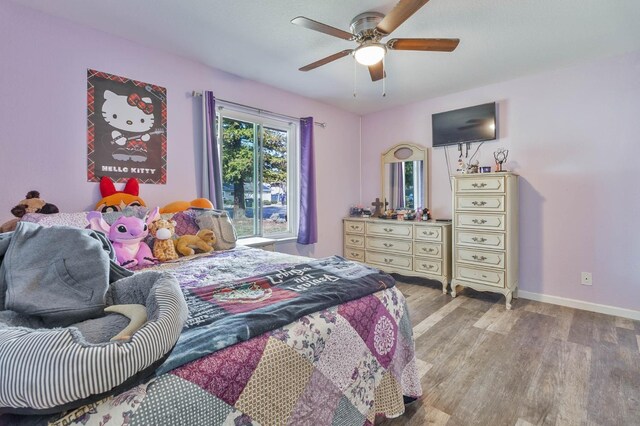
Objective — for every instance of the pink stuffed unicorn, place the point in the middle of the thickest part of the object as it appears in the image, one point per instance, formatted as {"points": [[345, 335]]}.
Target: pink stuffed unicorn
{"points": [[126, 235]]}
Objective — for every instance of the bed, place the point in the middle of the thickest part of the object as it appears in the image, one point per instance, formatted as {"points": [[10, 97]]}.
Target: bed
{"points": [[342, 365]]}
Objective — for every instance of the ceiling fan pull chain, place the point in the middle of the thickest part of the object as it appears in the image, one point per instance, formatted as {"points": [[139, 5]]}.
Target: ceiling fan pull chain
{"points": [[384, 80], [355, 78]]}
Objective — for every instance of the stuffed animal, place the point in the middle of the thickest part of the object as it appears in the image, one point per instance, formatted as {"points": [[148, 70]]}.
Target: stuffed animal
{"points": [[126, 235], [31, 204], [203, 240], [179, 206], [116, 201], [163, 247]]}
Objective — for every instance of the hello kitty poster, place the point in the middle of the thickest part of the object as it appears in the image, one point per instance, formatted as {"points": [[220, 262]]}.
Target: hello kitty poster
{"points": [[126, 129]]}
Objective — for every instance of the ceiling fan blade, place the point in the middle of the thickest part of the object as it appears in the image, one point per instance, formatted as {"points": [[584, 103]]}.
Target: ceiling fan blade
{"points": [[377, 71], [400, 13], [323, 28], [430, 44], [326, 60]]}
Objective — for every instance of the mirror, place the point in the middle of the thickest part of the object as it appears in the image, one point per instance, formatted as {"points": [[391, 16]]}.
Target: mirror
{"points": [[404, 177]]}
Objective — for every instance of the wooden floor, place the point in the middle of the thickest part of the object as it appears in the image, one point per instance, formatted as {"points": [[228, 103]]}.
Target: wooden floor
{"points": [[538, 364]]}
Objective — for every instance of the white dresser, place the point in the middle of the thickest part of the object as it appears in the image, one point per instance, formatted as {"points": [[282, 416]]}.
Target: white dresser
{"points": [[485, 233], [420, 249]]}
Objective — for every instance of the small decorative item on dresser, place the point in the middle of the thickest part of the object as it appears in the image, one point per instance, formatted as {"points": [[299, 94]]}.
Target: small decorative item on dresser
{"points": [[389, 214], [366, 212], [406, 214], [378, 205], [485, 169], [473, 167], [501, 157], [355, 211]]}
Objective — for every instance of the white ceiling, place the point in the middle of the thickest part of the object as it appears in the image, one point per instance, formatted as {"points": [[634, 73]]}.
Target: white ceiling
{"points": [[500, 40]]}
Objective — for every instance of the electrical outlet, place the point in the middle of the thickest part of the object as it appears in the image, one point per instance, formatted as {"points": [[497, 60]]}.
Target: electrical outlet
{"points": [[586, 278]]}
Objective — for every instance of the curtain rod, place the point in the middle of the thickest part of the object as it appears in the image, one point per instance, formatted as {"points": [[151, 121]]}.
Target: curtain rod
{"points": [[259, 110]]}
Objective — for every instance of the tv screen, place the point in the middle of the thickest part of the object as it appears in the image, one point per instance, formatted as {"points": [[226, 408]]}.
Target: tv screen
{"points": [[472, 124]]}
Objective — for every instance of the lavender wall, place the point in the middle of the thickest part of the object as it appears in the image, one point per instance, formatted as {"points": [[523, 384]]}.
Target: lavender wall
{"points": [[573, 137], [43, 118]]}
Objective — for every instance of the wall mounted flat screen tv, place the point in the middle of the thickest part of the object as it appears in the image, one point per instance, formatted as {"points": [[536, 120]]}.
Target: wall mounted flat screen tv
{"points": [[472, 124]]}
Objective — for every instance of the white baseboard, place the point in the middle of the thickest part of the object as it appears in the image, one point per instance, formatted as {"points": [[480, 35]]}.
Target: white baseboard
{"points": [[579, 304]]}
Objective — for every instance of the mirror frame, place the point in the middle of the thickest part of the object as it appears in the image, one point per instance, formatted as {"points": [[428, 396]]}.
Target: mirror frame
{"points": [[418, 153]]}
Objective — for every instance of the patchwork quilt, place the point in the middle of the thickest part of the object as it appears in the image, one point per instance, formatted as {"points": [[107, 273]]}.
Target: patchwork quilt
{"points": [[221, 315], [341, 365]]}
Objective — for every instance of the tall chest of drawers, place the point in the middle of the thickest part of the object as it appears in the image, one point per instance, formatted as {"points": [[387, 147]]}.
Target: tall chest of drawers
{"points": [[421, 249], [485, 233]]}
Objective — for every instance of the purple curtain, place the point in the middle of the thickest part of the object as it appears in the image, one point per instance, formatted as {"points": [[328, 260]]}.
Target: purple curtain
{"points": [[308, 228], [211, 168], [397, 186]]}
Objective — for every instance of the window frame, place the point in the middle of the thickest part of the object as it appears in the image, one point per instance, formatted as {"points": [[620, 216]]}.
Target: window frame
{"points": [[264, 120]]}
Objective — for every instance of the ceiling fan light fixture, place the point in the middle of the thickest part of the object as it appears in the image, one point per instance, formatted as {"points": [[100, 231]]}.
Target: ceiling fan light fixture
{"points": [[370, 53]]}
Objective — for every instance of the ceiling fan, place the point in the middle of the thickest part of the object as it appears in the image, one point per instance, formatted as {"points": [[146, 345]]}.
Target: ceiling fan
{"points": [[368, 29]]}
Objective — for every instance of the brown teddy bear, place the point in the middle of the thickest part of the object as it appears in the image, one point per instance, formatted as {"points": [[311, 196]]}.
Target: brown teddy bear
{"points": [[163, 246], [31, 204], [203, 240]]}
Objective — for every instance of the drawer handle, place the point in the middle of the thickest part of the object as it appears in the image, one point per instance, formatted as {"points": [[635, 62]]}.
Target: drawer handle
{"points": [[479, 185], [479, 203], [428, 233], [479, 240], [353, 241], [388, 229], [484, 276], [428, 250], [479, 258], [387, 245], [353, 254], [479, 221], [388, 260], [355, 227], [424, 265]]}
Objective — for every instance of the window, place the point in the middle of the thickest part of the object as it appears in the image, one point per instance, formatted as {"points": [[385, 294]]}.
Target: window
{"points": [[259, 173]]}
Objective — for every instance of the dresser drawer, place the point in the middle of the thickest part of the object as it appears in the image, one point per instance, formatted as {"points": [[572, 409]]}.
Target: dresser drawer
{"points": [[481, 221], [481, 276], [488, 203], [481, 258], [480, 184], [389, 260], [354, 254], [353, 240], [427, 249], [389, 245], [390, 229], [429, 266], [353, 227], [428, 233], [480, 239]]}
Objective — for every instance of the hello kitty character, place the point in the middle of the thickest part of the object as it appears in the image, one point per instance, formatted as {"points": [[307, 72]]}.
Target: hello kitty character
{"points": [[133, 115]]}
